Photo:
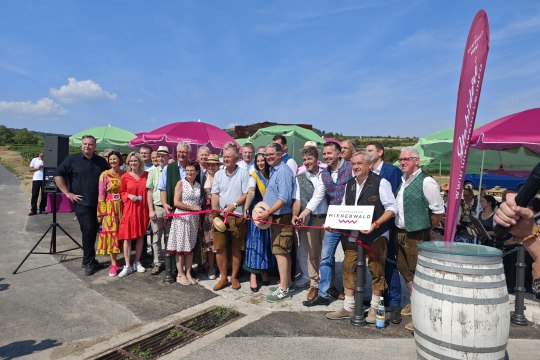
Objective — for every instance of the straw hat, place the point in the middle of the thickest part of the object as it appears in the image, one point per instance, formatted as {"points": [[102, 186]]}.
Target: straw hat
{"points": [[163, 150], [310, 143], [218, 223], [258, 214], [213, 159]]}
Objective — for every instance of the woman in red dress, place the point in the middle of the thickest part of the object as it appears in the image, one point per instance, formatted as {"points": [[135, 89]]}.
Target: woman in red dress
{"points": [[135, 215]]}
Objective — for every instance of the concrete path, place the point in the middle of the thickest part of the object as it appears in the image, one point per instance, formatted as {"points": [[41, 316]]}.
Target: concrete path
{"points": [[49, 309]]}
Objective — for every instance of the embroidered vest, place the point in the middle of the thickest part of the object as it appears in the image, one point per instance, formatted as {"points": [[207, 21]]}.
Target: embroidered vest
{"points": [[415, 205], [335, 190], [306, 189]]}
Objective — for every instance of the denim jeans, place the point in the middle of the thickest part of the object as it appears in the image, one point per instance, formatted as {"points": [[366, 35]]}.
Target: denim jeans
{"points": [[329, 245], [393, 293]]}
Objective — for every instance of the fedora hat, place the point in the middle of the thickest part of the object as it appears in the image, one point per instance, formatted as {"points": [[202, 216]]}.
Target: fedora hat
{"points": [[218, 223], [258, 211], [213, 159], [163, 150]]}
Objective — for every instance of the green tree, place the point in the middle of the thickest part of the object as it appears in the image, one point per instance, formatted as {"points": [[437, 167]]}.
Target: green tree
{"points": [[6, 135], [25, 136]]}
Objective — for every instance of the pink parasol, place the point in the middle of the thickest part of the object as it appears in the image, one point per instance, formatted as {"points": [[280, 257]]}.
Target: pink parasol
{"points": [[195, 133], [519, 129]]}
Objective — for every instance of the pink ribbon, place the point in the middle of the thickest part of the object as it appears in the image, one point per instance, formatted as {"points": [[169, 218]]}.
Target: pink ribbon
{"points": [[359, 240]]}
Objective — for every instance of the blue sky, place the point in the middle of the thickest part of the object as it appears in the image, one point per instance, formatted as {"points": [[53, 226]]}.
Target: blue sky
{"points": [[353, 67]]}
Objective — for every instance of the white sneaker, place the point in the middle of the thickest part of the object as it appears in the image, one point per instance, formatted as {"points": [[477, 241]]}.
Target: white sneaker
{"points": [[138, 267], [125, 271]]}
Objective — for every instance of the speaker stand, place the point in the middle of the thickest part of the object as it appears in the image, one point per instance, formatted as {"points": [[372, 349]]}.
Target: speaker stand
{"points": [[52, 247]]}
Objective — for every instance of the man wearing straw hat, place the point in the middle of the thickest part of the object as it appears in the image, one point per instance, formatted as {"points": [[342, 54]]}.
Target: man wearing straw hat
{"points": [[420, 208], [279, 195], [155, 207], [229, 192]]}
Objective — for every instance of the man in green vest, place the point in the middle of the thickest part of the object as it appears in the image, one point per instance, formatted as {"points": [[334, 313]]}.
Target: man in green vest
{"points": [[420, 208]]}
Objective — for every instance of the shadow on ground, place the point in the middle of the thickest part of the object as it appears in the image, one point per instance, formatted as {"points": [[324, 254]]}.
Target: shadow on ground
{"points": [[25, 347]]}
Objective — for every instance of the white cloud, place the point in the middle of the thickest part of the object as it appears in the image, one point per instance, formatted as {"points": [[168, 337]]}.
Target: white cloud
{"points": [[42, 107], [80, 91], [519, 28]]}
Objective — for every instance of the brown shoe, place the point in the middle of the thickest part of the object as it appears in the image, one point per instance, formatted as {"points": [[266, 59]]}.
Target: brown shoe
{"points": [[339, 314], [221, 284], [312, 294], [410, 327], [336, 294], [235, 284]]}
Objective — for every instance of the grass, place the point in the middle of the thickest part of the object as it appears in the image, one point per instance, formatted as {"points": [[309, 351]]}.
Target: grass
{"points": [[143, 354]]}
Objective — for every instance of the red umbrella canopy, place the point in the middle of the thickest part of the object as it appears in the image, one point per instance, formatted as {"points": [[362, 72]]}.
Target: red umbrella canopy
{"points": [[519, 129], [195, 133]]}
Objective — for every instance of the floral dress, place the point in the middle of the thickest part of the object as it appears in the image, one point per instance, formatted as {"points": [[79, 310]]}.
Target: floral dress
{"points": [[184, 229], [110, 210]]}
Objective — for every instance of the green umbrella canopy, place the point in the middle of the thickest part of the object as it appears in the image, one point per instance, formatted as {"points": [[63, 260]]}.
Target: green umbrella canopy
{"points": [[108, 137], [439, 147], [296, 137], [241, 141]]}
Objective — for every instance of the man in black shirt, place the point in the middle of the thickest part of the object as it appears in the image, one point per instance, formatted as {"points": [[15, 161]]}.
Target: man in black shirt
{"points": [[82, 171]]}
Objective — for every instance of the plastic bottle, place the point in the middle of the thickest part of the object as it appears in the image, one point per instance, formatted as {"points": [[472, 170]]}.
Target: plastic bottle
{"points": [[380, 319]]}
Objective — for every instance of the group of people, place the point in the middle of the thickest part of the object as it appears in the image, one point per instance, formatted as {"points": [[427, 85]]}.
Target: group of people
{"points": [[253, 208]]}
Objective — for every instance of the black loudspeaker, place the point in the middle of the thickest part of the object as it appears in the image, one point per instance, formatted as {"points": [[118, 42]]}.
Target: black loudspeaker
{"points": [[56, 149]]}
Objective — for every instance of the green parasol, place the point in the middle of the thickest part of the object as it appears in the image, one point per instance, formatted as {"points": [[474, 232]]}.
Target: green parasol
{"points": [[108, 137]]}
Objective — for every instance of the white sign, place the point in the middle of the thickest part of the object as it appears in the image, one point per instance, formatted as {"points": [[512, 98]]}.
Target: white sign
{"points": [[349, 217]]}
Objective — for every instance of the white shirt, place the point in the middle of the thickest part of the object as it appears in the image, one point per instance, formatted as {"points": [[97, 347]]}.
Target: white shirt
{"points": [[378, 169], [291, 163], [250, 167], [317, 204], [385, 195], [302, 168], [431, 192], [333, 173], [36, 163]]}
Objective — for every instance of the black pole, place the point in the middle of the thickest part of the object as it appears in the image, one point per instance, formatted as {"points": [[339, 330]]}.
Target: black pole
{"points": [[517, 316], [358, 317]]}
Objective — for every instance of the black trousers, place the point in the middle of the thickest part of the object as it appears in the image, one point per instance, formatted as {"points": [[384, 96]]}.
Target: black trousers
{"points": [[87, 217], [37, 187]]}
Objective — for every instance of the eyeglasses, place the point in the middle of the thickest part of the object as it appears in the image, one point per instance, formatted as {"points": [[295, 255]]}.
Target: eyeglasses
{"points": [[407, 159]]}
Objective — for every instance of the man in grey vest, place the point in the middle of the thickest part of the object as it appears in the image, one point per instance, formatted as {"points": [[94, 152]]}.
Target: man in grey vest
{"points": [[309, 208], [366, 188], [420, 208]]}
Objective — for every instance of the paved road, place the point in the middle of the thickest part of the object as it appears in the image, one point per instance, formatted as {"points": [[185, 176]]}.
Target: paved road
{"points": [[51, 310]]}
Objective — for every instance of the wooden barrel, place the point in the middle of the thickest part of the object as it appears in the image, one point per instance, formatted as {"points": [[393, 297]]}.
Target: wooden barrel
{"points": [[460, 302]]}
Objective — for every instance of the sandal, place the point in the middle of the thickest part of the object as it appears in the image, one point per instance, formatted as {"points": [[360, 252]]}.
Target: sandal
{"points": [[182, 280], [192, 281]]}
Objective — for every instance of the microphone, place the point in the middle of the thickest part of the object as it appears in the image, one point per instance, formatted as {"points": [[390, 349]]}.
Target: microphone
{"points": [[527, 192]]}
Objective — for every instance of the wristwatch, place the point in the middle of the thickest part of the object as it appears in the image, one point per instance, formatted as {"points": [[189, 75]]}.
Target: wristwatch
{"points": [[235, 205]]}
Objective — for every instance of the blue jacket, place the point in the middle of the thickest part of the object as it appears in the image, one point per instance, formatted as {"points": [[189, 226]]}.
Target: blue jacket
{"points": [[393, 174]]}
